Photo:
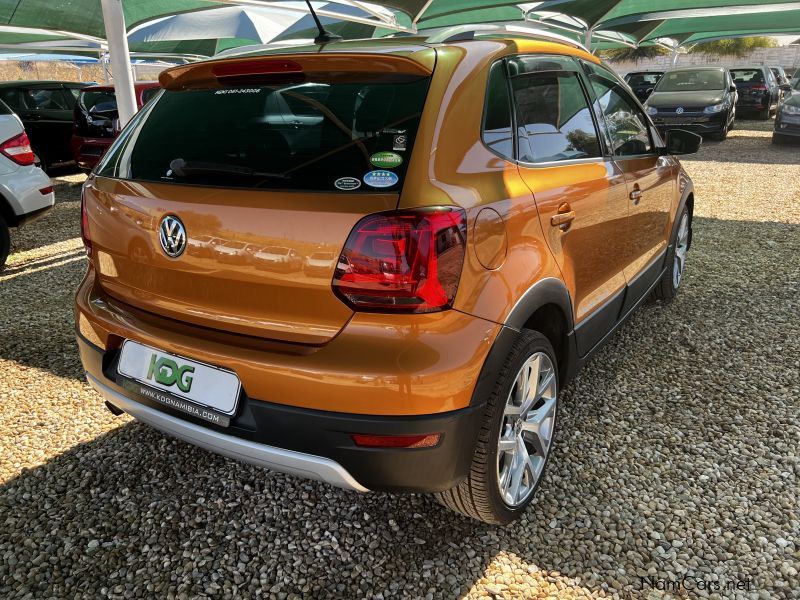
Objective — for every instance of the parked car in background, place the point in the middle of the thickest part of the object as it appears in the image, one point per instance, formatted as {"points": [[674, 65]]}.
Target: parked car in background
{"points": [[759, 91], [278, 258], [643, 82], [96, 120], [698, 99], [45, 108], [498, 210], [787, 117], [25, 190]]}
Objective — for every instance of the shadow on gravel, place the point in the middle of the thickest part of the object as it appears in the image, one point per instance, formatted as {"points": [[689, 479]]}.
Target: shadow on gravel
{"points": [[681, 419]]}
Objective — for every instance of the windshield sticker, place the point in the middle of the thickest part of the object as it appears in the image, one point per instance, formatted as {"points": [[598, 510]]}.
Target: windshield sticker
{"points": [[386, 160], [347, 183], [399, 142], [381, 179]]}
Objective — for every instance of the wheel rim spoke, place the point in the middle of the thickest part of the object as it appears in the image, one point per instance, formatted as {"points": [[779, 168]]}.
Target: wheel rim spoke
{"points": [[539, 426]]}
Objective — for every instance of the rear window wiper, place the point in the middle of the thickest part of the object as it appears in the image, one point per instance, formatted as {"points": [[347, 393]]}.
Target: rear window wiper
{"points": [[185, 168]]}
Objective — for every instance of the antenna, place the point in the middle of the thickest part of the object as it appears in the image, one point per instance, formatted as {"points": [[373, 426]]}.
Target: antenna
{"points": [[324, 36]]}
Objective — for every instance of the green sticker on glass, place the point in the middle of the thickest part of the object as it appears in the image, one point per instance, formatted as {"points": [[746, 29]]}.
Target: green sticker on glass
{"points": [[386, 160]]}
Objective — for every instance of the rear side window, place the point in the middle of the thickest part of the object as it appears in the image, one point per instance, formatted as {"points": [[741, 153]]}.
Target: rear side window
{"points": [[11, 98], [149, 94], [47, 99], [339, 137], [554, 121], [497, 129]]}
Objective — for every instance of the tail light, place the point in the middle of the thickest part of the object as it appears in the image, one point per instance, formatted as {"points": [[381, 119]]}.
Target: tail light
{"points": [[19, 149], [87, 238], [758, 88], [404, 261]]}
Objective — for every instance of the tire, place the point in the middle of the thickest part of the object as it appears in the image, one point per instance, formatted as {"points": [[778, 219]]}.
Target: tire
{"points": [[667, 288], [5, 243], [479, 496], [778, 139], [720, 136]]}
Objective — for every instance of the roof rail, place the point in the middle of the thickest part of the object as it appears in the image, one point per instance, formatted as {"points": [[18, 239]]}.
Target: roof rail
{"points": [[459, 33]]}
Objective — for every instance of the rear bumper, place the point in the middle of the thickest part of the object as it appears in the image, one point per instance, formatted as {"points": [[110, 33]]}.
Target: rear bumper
{"points": [[309, 443], [22, 190], [380, 375]]}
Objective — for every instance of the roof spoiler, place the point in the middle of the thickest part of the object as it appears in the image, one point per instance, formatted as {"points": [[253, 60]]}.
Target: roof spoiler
{"points": [[281, 68]]}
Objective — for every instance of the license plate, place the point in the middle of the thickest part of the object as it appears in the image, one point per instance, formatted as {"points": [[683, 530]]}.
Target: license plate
{"points": [[182, 379]]}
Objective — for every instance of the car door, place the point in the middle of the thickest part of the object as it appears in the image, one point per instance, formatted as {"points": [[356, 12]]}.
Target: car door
{"points": [[649, 175], [580, 195], [49, 111]]}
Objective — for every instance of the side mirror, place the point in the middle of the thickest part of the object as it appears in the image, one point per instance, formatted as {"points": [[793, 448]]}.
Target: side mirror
{"points": [[732, 88], [785, 87], [680, 141]]}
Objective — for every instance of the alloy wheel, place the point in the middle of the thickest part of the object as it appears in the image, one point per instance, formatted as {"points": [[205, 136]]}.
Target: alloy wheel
{"points": [[526, 429], [681, 248]]}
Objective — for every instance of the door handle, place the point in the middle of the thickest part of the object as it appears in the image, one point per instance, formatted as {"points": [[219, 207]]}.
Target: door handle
{"points": [[563, 218], [636, 195]]}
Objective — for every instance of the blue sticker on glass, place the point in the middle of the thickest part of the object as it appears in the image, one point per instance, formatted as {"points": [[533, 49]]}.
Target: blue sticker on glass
{"points": [[381, 179]]}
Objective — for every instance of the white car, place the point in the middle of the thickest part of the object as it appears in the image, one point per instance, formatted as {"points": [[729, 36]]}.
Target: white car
{"points": [[26, 192]]}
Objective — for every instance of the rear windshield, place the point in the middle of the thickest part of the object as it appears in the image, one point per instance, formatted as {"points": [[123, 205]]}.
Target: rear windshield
{"points": [[98, 102], [338, 137], [691, 81], [643, 79], [748, 76], [4, 110]]}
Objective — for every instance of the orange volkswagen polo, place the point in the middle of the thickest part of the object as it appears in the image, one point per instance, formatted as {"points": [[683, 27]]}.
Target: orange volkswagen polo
{"points": [[376, 263]]}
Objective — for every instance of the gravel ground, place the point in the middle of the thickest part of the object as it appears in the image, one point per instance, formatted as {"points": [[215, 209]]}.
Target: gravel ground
{"points": [[677, 459]]}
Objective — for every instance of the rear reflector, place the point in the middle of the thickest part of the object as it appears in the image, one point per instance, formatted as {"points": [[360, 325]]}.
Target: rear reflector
{"points": [[46, 190], [19, 149], [404, 261], [425, 440]]}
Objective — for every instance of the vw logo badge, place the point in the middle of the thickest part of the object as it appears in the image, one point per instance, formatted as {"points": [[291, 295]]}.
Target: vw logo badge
{"points": [[172, 235], [679, 110]]}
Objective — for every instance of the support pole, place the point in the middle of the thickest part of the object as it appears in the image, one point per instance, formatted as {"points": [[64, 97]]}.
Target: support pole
{"points": [[114, 20], [673, 57], [588, 39]]}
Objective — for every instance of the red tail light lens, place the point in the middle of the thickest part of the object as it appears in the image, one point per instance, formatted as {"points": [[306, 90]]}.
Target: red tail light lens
{"points": [[425, 440], [759, 88], [87, 238], [405, 261], [19, 149]]}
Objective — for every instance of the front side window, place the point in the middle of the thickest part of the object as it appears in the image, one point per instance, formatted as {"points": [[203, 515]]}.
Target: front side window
{"points": [[554, 121], [317, 136], [497, 129], [628, 132]]}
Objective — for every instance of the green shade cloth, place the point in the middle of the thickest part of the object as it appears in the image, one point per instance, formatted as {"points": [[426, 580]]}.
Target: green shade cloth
{"points": [[86, 16]]}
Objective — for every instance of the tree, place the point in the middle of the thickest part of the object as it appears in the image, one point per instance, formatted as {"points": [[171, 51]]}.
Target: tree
{"points": [[734, 46], [634, 54]]}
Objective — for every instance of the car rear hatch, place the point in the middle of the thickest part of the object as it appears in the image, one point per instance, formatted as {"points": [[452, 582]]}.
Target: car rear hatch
{"points": [[96, 113], [281, 152]]}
